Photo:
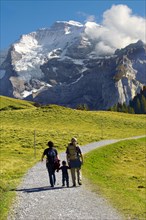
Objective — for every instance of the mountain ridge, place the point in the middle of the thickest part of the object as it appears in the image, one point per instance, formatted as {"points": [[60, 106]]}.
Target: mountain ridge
{"points": [[59, 65]]}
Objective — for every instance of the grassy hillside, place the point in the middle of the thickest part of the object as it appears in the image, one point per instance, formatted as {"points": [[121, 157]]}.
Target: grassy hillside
{"points": [[54, 123], [118, 172], [7, 103]]}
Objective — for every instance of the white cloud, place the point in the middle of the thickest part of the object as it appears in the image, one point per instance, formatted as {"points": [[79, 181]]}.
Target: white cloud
{"points": [[119, 28], [103, 49]]}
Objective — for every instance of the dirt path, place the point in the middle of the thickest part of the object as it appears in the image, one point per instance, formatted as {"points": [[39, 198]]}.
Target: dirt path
{"points": [[37, 201]]}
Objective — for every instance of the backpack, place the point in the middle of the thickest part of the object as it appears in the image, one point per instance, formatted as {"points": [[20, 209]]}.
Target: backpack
{"points": [[72, 152], [51, 155]]}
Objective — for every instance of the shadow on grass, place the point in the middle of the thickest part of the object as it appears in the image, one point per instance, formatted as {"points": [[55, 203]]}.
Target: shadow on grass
{"points": [[37, 189]]}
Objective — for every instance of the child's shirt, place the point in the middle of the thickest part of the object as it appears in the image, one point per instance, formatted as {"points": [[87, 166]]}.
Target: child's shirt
{"points": [[64, 169]]}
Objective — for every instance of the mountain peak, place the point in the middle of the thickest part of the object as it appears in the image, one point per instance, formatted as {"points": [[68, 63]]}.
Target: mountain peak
{"points": [[71, 23], [133, 46], [61, 25], [137, 44]]}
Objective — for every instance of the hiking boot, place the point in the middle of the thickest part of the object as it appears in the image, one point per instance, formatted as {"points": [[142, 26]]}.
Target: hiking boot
{"points": [[74, 185]]}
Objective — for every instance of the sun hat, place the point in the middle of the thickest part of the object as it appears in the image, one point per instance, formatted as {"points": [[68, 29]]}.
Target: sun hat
{"points": [[74, 139]]}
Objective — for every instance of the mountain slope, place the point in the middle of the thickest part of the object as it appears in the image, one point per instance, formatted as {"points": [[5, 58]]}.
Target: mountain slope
{"points": [[61, 65], [7, 103]]}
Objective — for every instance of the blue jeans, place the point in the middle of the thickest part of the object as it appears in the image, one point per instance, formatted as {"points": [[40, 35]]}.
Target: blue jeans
{"points": [[51, 172]]}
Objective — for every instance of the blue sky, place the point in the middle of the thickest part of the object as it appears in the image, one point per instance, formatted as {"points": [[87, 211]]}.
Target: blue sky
{"points": [[22, 17]]}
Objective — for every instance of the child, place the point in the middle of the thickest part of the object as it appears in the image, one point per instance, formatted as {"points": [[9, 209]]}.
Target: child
{"points": [[65, 176]]}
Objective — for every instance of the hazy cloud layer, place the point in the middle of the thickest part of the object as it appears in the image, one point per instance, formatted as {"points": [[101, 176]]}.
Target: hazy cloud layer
{"points": [[119, 28]]}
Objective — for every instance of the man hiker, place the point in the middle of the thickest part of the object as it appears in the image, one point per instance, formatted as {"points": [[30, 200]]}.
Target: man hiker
{"points": [[75, 160], [52, 155]]}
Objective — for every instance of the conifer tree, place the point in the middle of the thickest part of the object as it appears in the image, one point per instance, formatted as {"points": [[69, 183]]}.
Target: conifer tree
{"points": [[143, 105], [137, 106]]}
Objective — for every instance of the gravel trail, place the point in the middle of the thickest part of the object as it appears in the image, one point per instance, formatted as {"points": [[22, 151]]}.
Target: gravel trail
{"points": [[37, 201]]}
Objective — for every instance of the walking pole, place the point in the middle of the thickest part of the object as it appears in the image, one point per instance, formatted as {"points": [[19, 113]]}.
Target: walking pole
{"points": [[35, 144]]}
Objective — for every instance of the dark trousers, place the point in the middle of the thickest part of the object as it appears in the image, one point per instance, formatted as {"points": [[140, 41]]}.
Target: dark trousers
{"points": [[65, 178], [51, 172]]}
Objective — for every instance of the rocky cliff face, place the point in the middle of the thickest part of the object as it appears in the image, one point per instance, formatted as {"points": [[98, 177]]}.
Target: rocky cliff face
{"points": [[60, 65]]}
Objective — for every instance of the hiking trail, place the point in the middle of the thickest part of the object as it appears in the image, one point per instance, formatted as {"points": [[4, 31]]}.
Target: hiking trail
{"points": [[36, 200]]}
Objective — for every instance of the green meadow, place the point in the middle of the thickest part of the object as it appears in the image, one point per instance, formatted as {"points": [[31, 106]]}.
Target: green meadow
{"points": [[118, 171], [23, 124]]}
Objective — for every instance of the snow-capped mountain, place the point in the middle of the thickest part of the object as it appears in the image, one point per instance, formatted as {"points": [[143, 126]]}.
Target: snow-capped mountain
{"points": [[61, 65]]}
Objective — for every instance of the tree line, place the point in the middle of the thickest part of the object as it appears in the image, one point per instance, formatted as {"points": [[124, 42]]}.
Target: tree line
{"points": [[136, 106]]}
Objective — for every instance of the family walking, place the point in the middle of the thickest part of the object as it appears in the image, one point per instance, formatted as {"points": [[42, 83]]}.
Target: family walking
{"points": [[74, 159]]}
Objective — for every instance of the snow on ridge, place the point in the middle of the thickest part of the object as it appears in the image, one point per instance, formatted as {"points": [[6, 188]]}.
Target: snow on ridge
{"points": [[57, 37], [49, 38], [26, 93], [76, 61], [67, 30], [75, 23], [36, 47], [71, 22], [26, 44], [54, 53]]}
